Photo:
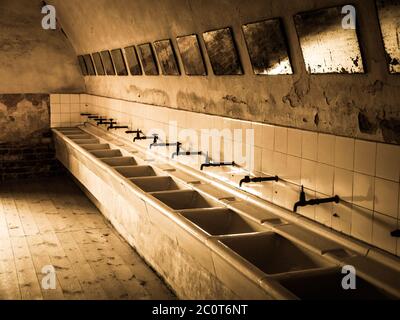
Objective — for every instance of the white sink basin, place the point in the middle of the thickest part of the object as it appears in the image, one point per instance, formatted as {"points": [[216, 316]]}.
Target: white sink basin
{"points": [[94, 147], [328, 286], [155, 184], [79, 136], [136, 171], [120, 161], [273, 254], [86, 141], [185, 199], [216, 222], [106, 153]]}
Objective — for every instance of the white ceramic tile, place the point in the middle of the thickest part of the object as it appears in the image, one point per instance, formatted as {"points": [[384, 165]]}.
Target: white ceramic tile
{"points": [[294, 142], [55, 108], [281, 139], [280, 164], [65, 98], [55, 98], [308, 211], [308, 174], [55, 119], [326, 149], [386, 197], [361, 224], [76, 118], [257, 160], [258, 134], [267, 191], [293, 170], [309, 145], [268, 137], [83, 98], [341, 219], [343, 184], [267, 161], [388, 162], [381, 232], [365, 157], [323, 212], [324, 179], [83, 107], [364, 191], [65, 119], [344, 153], [65, 108], [74, 98], [285, 195], [75, 108]]}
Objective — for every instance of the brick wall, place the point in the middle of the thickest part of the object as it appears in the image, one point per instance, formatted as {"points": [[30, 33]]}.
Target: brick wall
{"points": [[25, 161]]}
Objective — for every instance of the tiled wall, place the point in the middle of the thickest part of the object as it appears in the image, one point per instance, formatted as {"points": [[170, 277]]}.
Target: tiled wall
{"points": [[364, 174], [65, 110]]}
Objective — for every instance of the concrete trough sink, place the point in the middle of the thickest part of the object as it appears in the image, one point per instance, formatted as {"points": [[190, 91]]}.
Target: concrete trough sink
{"points": [[156, 184], [86, 141], [74, 136], [136, 171], [274, 254], [95, 147], [120, 161], [106, 153], [328, 286], [221, 221], [185, 199]]}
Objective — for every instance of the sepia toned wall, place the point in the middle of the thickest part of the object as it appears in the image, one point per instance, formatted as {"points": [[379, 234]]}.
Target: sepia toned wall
{"points": [[26, 143], [365, 106], [34, 60]]}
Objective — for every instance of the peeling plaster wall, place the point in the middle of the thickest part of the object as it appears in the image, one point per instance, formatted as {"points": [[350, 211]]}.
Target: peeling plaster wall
{"points": [[34, 60], [364, 106], [26, 144], [23, 118]]}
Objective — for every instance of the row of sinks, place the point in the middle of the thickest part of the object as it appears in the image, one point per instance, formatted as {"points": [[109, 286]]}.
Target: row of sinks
{"points": [[304, 273]]}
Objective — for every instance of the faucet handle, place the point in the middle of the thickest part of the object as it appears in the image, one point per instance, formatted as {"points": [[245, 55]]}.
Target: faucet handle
{"points": [[302, 194]]}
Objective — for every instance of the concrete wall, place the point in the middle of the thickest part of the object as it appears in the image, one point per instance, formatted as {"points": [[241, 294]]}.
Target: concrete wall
{"points": [[363, 106], [34, 60]]}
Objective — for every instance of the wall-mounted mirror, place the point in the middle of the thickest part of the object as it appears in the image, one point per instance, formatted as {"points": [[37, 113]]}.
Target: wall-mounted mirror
{"points": [[389, 18], [89, 64], [98, 64], [222, 51], [328, 42], [133, 61], [166, 57], [119, 62], [148, 59], [267, 46], [107, 63], [191, 55], [82, 65]]}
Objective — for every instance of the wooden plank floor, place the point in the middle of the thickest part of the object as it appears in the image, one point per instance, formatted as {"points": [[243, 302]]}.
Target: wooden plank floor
{"points": [[51, 223]]}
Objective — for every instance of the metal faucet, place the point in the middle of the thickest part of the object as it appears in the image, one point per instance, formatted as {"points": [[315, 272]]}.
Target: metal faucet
{"points": [[157, 144], [313, 202], [116, 127], [217, 164], [184, 153], [101, 121], [247, 179]]}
